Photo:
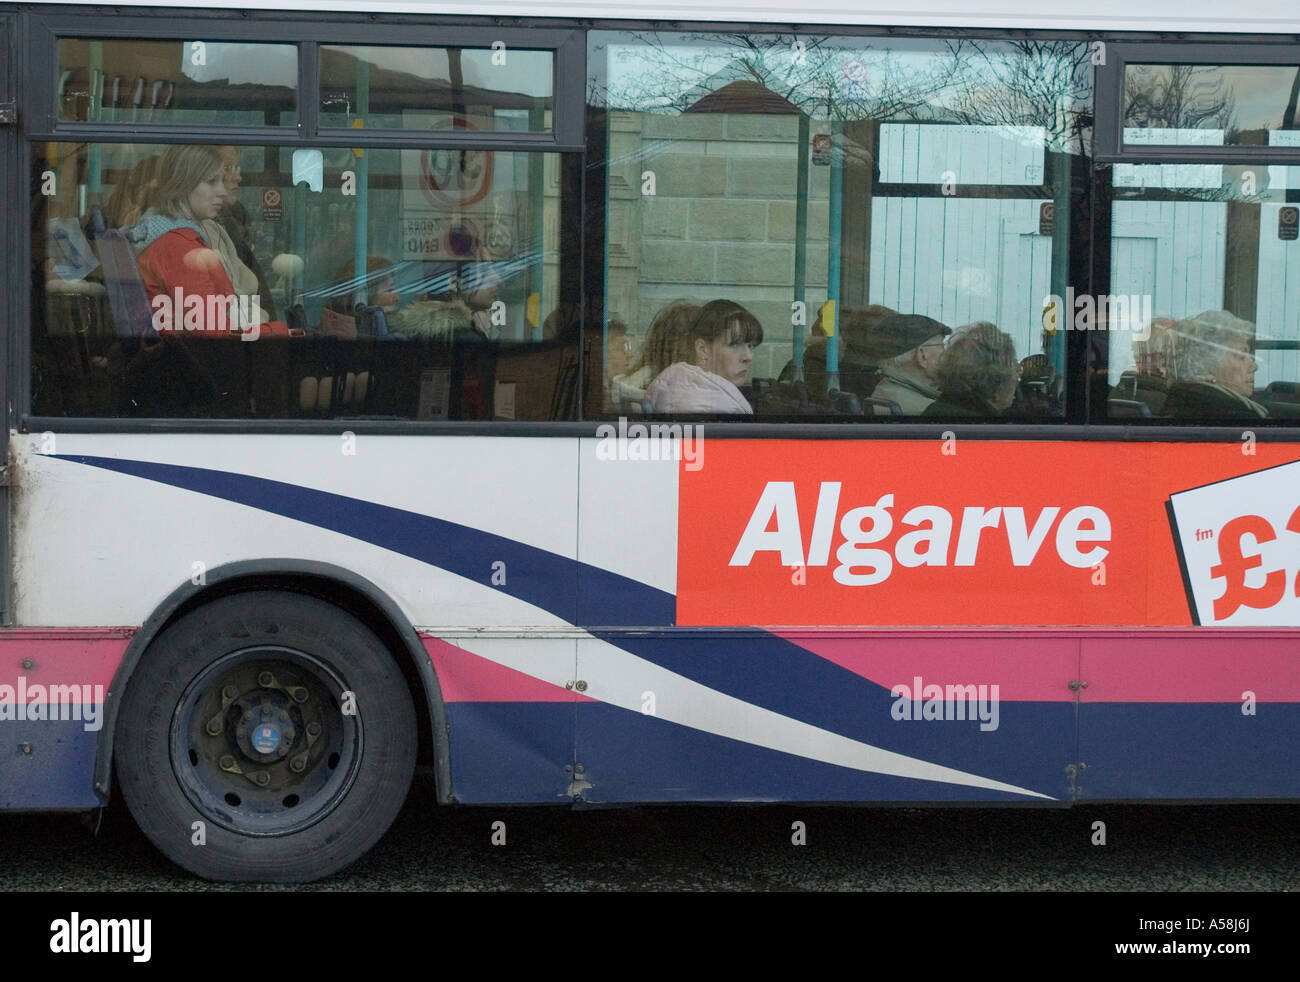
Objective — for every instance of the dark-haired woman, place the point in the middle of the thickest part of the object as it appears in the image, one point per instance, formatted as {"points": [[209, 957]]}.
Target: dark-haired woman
{"points": [[710, 363]]}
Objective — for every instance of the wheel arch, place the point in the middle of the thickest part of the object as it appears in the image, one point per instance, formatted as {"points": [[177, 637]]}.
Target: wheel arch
{"points": [[345, 589]]}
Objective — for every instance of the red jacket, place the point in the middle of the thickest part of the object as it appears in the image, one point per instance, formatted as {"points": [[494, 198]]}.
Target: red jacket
{"points": [[178, 266]]}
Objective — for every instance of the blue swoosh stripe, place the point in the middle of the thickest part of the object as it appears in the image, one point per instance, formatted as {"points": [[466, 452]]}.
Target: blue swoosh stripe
{"points": [[535, 576], [749, 664], [756, 667]]}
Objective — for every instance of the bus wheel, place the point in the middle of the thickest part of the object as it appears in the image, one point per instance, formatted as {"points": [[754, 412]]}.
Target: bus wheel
{"points": [[265, 737]]}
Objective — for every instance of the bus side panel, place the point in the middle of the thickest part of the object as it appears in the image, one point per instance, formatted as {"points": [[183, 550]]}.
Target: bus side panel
{"points": [[511, 727], [1190, 715], [831, 716], [52, 686], [473, 539], [476, 533]]}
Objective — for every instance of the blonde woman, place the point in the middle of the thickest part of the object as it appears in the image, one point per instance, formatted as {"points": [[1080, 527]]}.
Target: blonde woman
{"points": [[177, 257]]}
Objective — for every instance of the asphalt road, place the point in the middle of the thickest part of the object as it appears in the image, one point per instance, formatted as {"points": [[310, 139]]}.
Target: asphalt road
{"points": [[666, 848]]}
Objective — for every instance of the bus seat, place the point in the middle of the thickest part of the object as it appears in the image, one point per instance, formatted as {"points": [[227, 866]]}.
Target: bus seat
{"points": [[1279, 409], [1128, 409], [844, 403], [72, 344], [127, 297], [882, 407], [160, 376], [779, 397], [1281, 392]]}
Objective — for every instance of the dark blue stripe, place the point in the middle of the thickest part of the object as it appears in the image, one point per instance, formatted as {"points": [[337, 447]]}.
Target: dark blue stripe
{"points": [[538, 577], [517, 752], [1188, 750], [1030, 747], [47, 764]]}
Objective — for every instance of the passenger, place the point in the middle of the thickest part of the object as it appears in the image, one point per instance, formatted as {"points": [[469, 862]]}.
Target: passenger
{"points": [[858, 369], [671, 324], [563, 323], [908, 348], [380, 286], [480, 298], [1214, 368], [243, 279], [977, 374], [186, 280], [709, 364], [1153, 355], [234, 219]]}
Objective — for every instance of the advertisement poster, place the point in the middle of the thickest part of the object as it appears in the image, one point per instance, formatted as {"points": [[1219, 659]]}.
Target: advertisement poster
{"points": [[931, 533]]}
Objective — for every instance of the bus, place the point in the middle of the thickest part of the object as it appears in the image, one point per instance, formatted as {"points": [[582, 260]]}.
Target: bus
{"points": [[634, 403]]}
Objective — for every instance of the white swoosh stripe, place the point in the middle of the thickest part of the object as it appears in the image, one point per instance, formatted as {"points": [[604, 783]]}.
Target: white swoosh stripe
{"points": [[623, 677]]}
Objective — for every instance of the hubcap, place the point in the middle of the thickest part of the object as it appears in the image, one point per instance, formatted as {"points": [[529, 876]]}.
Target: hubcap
{"points": [[260, 743]]}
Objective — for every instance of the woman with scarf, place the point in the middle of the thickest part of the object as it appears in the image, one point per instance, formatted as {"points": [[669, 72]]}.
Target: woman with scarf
{"points": [[179, 252]]}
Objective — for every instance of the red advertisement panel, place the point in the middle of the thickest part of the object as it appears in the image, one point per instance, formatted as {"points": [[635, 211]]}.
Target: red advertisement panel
{"points": [[985, 533]]}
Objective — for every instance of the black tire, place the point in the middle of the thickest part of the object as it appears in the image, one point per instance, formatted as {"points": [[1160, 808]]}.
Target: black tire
{"points": [[235, 717]]}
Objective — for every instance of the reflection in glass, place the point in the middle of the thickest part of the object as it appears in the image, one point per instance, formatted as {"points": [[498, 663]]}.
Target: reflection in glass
{"points": [[1210, 254], [827, 185], [437, 88], [1199, 105], [213, 83]]}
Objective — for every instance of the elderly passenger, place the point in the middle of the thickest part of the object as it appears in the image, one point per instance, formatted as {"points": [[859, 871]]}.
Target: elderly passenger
{"points": [[909, 348], [978, 373], [1214, 368]]}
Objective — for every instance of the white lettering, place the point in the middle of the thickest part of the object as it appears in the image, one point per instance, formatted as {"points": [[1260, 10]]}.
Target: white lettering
{"points": [[1025, 545], [1071, 532], [776, 502]]}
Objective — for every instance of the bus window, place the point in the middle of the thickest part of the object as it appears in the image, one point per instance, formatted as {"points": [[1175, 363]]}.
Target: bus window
{"points": [[414, 284], [826, 184], [1201, 325], [437, 88], [1208, 105], [209, 83]]}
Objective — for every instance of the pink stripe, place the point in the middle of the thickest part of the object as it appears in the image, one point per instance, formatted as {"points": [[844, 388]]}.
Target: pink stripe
{"points": [[62, 656], [467, 677], [1160, 665], [1215, 665]]}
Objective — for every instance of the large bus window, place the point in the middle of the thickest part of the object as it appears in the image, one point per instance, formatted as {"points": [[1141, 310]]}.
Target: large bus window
{"points": [[210, 83], [1224, 105], [437, 88], [892, 214], [1203, 322], [288, 282]]}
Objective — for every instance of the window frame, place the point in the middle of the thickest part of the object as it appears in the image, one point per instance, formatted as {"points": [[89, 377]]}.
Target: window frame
{"points": [[1081, 237], [41, 113], [35, 29], [1109, 140], [1109, 150]]}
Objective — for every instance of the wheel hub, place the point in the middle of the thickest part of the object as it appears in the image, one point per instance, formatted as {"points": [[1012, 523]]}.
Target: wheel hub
{"points": [[261, 740], [263, 723]]}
